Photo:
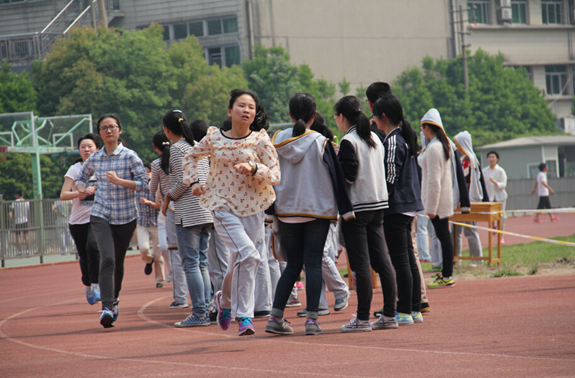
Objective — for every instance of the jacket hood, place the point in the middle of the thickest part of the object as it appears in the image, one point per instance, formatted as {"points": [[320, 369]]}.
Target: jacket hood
{"points": [[433, 117], [293, 149], [463, 139]]}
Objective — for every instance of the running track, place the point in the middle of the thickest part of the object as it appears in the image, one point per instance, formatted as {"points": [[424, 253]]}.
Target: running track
{"points": [[505, 327]]}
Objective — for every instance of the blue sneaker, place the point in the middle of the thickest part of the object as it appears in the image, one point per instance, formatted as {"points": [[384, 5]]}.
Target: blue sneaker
{"points": [[96, 292], [116, 309], [246, 327], [107, 318], [224, 315], [90, 296], [193, 321], [403, 319], [417, 317]]}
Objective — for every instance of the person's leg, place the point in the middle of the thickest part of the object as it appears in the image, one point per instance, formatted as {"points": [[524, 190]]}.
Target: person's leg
{"points": [[472, 235], [422, 237], [329, 271], [442, 229], [93, 256], [356, 241], [179, 284], [273, 264], [459, 238], [143, 235], [424, 301], [240, 236], [435, 246], [79, 233], [218, 259], [395, 227], [315, 234], [263, 290], [381, 262], [416, 296], [190, 251], [122, 234], [157, 255], [103, 235], [163, 245]]}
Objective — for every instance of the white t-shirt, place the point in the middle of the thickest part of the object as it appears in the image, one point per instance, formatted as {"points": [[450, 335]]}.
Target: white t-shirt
{"points": [[20, 209], [542, 191], [81, 210]]}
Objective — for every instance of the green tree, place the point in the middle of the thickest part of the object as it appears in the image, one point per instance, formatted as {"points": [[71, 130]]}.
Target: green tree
{"points": [[17, 93], [501, 103], [344, 86]]}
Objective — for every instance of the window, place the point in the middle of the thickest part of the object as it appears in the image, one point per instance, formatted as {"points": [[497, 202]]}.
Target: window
{"points": [[10, 1], [551, 11], [519, 12], [224, 56], [166, 32], [232, 55], [215, 56], [230, 25], [215, 27], [180, 31], [478, 12], [196, 28], [555, 79]]}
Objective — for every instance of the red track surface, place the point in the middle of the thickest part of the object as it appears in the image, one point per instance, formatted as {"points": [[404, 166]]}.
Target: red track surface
{"points": [[505, 327]]}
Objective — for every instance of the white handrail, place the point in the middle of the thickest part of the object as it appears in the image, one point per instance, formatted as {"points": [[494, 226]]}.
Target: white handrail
{"points": [[58, 15], [77, 19]]}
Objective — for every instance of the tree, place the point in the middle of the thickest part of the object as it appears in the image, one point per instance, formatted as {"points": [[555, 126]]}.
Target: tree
{"points": [[17, 93], [501, 102], [344, 86]]}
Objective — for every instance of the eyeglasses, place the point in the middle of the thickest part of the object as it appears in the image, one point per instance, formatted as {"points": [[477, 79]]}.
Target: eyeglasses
{"points": [[111, 128], [334, 115]]}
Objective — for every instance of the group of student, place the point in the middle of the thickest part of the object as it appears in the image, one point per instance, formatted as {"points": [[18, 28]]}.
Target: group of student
{"points": [[216, 191]]}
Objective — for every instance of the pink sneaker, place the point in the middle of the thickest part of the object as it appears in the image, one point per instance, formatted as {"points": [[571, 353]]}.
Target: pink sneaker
{"points": [[554, 219], [299, 285], [502, 240], [537, 220]]}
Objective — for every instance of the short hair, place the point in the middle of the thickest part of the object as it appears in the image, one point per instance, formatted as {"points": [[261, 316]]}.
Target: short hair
{"points": [[18, 192], [148, 165], [377, 90], [494, 153], [542, 166]]}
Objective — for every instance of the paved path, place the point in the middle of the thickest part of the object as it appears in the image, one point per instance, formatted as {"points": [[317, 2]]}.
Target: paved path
{"points": [[506, 327]]}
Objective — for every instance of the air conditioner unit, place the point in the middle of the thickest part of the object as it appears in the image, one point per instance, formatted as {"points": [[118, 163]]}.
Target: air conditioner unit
{"points": [[506, 14], [505, 3]]}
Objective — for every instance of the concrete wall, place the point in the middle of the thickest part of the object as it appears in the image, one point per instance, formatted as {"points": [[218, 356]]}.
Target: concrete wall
{"points": [[520, 196], [515, 160], [19, 18]]}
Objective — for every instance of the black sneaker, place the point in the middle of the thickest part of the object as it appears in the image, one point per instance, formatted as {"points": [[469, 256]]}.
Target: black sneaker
{"points": [[148, 268], [293, 301], [178, 305], [214, 316], [378, 313]]}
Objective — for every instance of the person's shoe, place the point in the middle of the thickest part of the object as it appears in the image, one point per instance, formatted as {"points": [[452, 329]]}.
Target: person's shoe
{"points": [[90, 295], [246, 327], [178, 305], [356, 325], [473, 265], [403, 319], [384, 322], [193, 321], [159, 285], [293, 301], [341, 304], [96, 292], [436, 267], [554, 219], [299, 285], [116, 309], [214, 316], [537, 220], [107, 318], [224, 315], [312, 327], [261, 314], [378, 313], [425, 308], [320, 312], [148, 268], [502, 240], [417, 317], [278, 327], [441, 282], [424, 261]]}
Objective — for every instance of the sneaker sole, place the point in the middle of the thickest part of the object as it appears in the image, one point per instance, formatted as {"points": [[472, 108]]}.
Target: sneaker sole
{"points": [[311, 333], [293, 305], [319, 313], [276, 332], [440, 287], [405, 324], [180, 325], [173, 307], [342, 308], [377, 328], [247, 332], [351, 330], [107, 321]]}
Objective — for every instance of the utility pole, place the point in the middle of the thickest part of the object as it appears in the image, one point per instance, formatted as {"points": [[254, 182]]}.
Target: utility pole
{"points": [[93, 12], [461, 35], [102, 9]]}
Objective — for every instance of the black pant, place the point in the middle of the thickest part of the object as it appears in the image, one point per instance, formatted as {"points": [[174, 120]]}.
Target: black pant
{"points": [[441, 226], [365, 246], [303, 244], [397, 229], [88, 253]]}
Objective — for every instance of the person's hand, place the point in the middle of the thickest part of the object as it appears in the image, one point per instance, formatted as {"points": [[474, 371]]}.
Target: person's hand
{"points": [[165, 207], [112, 177], [198, 189], [82, 195], [551, 191], [533, 191], [431, 216], [243, 168], [492, 180], [143, 200]]}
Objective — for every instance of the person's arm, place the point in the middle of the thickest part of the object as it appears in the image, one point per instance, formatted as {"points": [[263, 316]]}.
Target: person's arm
{"points": [[145, 201], [393, 161], [464, 201], [534, 188], [340, 187], [502, 184], [153, 185], [66, 192], [85, 173], [348, 160], [434, 164], [268, 167], [548, 187], [188, 165]]}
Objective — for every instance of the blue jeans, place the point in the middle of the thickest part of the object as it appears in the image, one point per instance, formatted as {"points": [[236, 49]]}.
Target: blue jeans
{"points": [[303, 244], [193, 247]]}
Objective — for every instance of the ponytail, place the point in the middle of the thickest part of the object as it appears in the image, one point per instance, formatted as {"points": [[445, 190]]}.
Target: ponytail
{"points": [[350, 107], [410, 137], [175, 121], [320, 126], [162, 143], [301, 107]]}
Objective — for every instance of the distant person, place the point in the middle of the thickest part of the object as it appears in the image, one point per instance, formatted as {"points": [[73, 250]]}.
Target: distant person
{"points": [[373, 92], [20, 211], [543, 191], [79, 223], [495, 183]]}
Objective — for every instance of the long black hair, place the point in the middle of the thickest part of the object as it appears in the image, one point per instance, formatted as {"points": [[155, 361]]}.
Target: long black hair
{"points": [[320, 126], [162, 143], [261, 120], [302, 108], [175, 121], [199, 129], [440, 134], [350, 107], [391, 107]]}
